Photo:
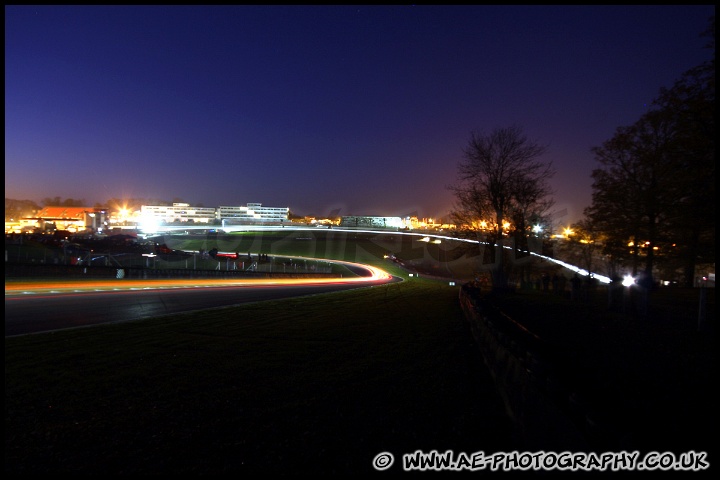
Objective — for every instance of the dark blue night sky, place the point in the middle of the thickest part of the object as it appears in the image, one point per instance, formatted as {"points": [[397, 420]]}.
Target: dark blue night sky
{"points": [[366, 109]]}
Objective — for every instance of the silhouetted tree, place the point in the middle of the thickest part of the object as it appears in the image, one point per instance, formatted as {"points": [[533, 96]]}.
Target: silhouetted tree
{"points": [[690, 103], [15, 209], [500, 178], [582, 245], [645, 167], [532, 203], [656, 185], [59, 202]]}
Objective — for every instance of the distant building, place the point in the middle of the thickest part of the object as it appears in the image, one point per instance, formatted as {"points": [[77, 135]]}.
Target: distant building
{"points": [[398, 223], [177, 212], [72, 219], [253, 213], [364, 221]]}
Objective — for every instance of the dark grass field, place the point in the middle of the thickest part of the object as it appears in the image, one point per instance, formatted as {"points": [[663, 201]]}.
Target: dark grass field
{"points": [[648, 374], [321, 385], [317, 385]]}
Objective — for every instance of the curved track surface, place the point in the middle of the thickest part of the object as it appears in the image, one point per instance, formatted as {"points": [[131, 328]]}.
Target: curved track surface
{"points": [[33, 307]]}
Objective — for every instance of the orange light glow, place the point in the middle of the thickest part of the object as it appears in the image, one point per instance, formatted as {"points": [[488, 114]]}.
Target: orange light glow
{"points": [[374, 275]]}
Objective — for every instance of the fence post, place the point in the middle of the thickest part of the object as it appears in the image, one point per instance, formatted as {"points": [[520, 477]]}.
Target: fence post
{"points": [[702, 310]]}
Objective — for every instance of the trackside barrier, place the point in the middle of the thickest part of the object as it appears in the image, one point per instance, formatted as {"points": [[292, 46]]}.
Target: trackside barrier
{"points": [[539, 385], [102, 272]]}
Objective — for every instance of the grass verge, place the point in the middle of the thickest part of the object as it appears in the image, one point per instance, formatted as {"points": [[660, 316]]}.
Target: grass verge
{"points": [[646, 373], [322, 384], [319, 384]]}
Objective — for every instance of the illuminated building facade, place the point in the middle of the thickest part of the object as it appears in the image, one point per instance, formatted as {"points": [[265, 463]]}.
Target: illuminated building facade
{"points": [[253, 213], [72, 219], [178, 212], [364, 221]]}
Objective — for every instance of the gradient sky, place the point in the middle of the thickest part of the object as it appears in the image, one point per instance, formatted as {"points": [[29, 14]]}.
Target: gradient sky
{"points": [[365, 109]]}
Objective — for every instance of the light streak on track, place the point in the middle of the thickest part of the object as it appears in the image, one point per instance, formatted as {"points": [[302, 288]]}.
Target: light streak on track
{"points": [[374, 275], [36, 306], [236, 228]]}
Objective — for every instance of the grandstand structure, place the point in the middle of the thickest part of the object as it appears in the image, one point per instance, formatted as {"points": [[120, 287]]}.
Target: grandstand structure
{"points": [[253, 213], [72, 219], [99, 220]]}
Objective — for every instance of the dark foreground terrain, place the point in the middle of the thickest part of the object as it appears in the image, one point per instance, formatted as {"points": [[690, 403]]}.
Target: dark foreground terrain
{"points": [[323, 385], [304, 386], [630, 374]]}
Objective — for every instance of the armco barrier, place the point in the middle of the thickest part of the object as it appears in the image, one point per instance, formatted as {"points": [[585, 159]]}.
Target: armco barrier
{"points": [[19, 271], [536, 384]]}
